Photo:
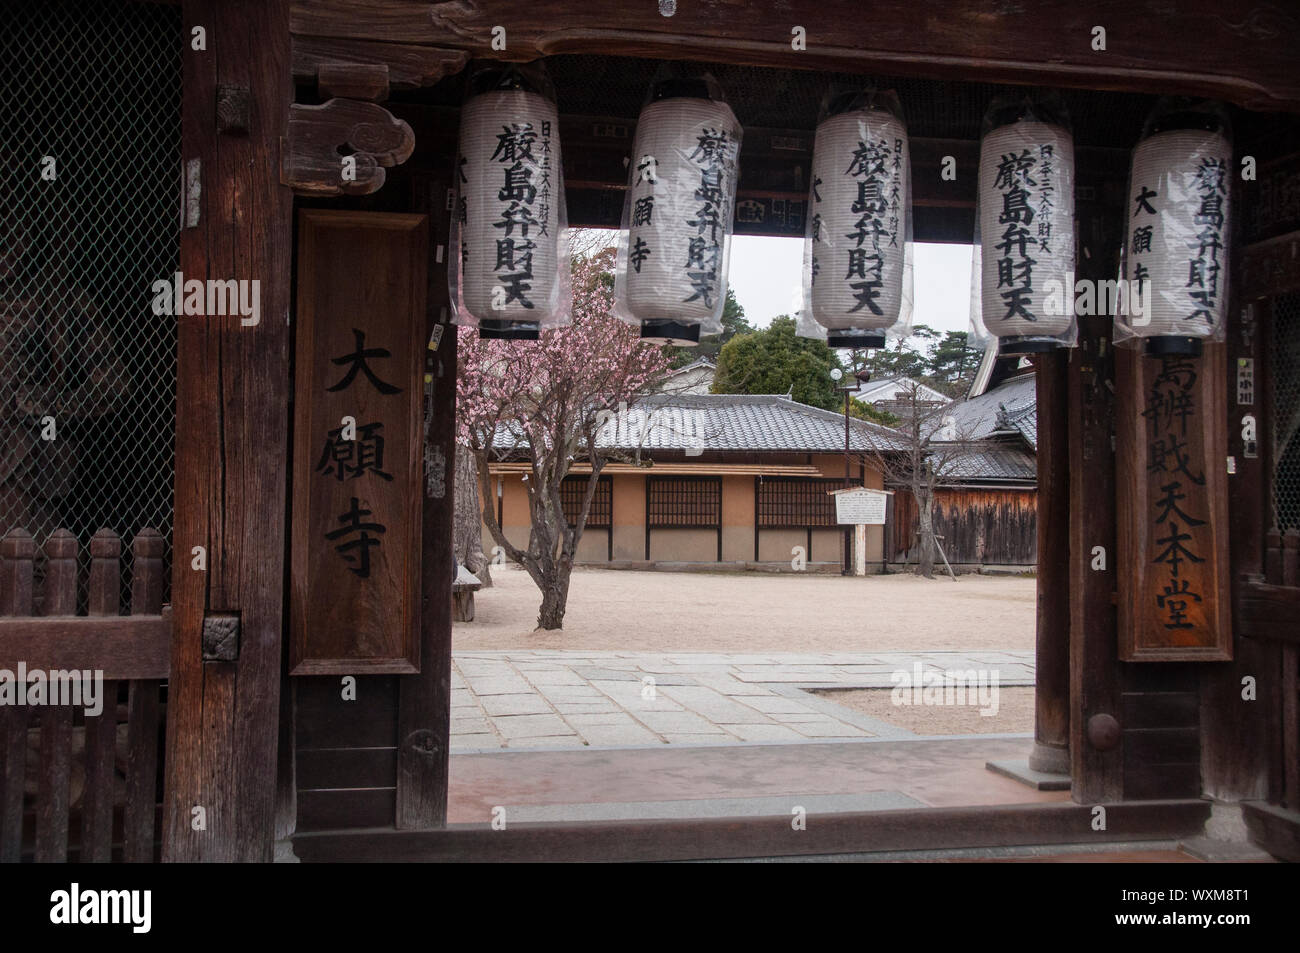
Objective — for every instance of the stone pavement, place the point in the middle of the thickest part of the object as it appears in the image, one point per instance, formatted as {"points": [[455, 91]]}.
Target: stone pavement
{"points": [[563, 699]]}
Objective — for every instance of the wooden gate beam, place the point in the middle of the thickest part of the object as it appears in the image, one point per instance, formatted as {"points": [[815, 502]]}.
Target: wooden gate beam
{"points": [[231, 440], [1243, 54]]}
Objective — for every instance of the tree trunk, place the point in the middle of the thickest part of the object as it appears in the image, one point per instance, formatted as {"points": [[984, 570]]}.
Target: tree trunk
{"points": [[468, 537], [555, 598], [925, 558]]}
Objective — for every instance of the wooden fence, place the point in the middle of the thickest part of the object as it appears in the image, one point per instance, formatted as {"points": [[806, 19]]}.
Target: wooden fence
{"points": [[988, 527], [77, 786]]}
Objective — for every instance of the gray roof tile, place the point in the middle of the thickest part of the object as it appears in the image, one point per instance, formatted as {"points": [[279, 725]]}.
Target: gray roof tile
{"points": [[734, 422]]}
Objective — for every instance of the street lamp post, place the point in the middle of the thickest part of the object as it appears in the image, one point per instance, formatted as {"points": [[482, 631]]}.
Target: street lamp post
{"points": [[836, 375]]}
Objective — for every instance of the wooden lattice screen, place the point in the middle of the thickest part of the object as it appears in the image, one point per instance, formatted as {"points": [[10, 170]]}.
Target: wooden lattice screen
{"points": [[572, 491], [684, 502], [797, 502]]}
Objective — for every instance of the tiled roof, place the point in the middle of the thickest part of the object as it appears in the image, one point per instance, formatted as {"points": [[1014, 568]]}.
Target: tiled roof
{"points": [[898, 389], [734, 423], [990, 462], [978, 417]]}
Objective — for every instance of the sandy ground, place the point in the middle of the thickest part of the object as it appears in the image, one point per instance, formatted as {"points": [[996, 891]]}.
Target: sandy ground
{"points": [[622, 610], [1015, 712]]}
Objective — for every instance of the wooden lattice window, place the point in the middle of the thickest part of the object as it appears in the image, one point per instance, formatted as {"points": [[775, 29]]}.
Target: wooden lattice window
{"points": [[789, 502], [684, 502], [573, 489]]}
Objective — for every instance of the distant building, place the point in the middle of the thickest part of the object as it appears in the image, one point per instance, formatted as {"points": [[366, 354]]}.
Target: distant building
{"points": [[724, 478], [987, 509], [694, 378], [894, 395]]}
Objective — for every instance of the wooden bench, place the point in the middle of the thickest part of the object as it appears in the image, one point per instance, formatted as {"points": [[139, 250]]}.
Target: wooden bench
{"points": [[462, 595]]}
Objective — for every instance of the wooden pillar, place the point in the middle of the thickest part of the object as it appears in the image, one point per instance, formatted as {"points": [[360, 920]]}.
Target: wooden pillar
{"points": [[1237, 734], [231, 436], [1096, 765], [1050, 753], [1096, 677], [424, 700]]}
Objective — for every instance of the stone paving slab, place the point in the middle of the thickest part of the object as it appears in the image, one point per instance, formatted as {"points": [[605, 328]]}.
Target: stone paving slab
{"points": [[552, 698]]}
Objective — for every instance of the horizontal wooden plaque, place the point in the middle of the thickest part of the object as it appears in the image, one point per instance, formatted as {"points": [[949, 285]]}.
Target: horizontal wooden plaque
{"points": [[1171, 483], [357, 443]]}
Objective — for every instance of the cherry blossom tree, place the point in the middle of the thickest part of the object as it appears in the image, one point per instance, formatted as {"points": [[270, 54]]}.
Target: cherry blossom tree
{"points": [[545, 401]]}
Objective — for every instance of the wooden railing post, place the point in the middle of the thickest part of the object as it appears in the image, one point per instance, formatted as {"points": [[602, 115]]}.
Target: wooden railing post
{"points": [[143, 709], [17, 558], [101, 730]]}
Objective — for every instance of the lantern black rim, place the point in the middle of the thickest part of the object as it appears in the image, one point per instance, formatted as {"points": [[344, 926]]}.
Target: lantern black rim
{"points": [[672, 332], [1173, 347], [1020, 344], [508, 330], [855, 338]]}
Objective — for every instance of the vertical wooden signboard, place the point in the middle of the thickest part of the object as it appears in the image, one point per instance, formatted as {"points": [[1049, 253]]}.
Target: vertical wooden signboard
{"points": [[1171, 454], [357, 443]]}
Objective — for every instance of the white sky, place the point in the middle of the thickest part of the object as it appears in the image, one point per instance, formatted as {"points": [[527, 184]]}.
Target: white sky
{"points": [[765, 273]]}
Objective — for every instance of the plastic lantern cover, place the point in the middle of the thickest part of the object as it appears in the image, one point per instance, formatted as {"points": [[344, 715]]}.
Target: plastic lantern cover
{"points": [[857, 268], [1022, 265], [509, 267], [1176, 242], [675, 241]]}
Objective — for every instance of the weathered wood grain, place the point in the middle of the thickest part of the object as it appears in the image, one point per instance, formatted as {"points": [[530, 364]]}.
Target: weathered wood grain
{"points": [[101, 730], [144, 710], [1242, 54], [121, 647], [1144, 631], [722, 838], [1052, 628], [409, 66], [424, 700], [360, 273], [321, 137], [364, 81], [1095, 680], [231, 444], [1234, 750]]}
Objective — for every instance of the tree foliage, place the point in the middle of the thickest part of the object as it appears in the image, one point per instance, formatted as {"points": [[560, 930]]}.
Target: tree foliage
{"points": [[944, 360], [774, 360]]}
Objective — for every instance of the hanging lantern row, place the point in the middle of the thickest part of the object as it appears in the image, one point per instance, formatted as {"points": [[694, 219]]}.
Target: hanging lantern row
{"points": [[1176, 240], [675, 241], [1022, 274], [857, 274], [509, 269]]}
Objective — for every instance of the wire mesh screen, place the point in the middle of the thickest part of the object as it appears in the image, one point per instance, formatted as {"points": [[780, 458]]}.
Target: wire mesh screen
{"points": [[1286, 411], [90, 136]]}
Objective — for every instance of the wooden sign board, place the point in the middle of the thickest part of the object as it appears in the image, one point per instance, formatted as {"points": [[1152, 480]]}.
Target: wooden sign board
{"points": [[358, 443], [860, 506], [1171, 483]]}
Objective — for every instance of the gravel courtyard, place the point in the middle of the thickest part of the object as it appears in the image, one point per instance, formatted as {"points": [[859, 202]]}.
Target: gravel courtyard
{"points": [[630, 611]]}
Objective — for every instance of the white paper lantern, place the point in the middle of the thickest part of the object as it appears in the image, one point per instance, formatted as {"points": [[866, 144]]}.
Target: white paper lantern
{"points": [[671, 277], [509, 270], [1177, 240], [1024, 258], [857, 249]]}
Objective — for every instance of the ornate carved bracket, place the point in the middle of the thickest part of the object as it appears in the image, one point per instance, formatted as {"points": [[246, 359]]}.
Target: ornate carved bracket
{"points": [[342, 147]]}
